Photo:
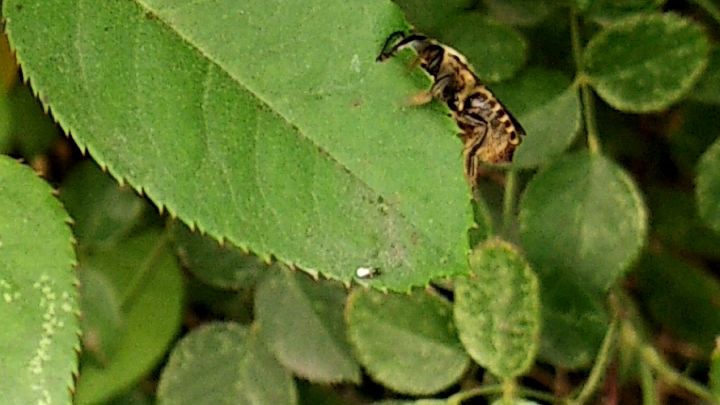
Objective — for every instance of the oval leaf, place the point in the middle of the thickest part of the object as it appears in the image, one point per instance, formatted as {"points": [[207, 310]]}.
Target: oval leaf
{"points": [[708, 186], [551, 129], [302, 324], [280, 140], [497, 310], [147, 277], [574, 319], [224, 363], [40, 333], [546, 104], [646, 62], [583, 215], [407, 343]]}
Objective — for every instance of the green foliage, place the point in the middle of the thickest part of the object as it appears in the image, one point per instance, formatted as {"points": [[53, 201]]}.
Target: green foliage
{"points": [[497, 310], [224, 363], [39, 337], [647, 62], [287, 159], [422, 339], [302, 325]]}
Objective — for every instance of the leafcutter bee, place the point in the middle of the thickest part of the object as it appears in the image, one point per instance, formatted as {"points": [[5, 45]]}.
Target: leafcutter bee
{"points": [[490, 133]]}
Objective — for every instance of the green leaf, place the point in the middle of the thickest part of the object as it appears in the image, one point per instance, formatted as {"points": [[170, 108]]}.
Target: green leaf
{"points": [[102, 324], [224, 363], [707, 87], [496, 51], [546, 104], [220, 266], [583, 215], [520, 12], [39, 337], [148, 281], [280, 140], [302, 324], [407, 343], [102, 212], [550, 128], [497, 310], [707, 190], [689, 312], [433, 17], [574, 320], [646, 63], [608, 11]]}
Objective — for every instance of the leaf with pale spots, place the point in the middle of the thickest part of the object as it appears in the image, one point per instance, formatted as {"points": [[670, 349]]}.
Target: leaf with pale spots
{"points": [[39, 309]]}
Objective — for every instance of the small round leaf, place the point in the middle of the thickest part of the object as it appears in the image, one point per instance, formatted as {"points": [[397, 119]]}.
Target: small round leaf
{"points": [[497, 310], [646, 62], [407, 343], [302, 324], [224, 363], [583, 214]]}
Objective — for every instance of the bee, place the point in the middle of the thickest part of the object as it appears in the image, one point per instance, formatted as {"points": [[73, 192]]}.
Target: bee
{"points": [[490, 134]]}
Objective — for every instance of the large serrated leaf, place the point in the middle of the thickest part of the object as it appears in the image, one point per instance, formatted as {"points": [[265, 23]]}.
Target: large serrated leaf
{"points": [[267, 123], [497, 310], [224, 363], [585, 216], [302, 324], [407, 343], [646, 62], [39, 338]]}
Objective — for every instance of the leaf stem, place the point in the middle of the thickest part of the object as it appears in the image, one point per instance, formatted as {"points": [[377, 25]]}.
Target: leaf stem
{"points": [[601, 363], [709, 8], [653, 360], [509, 201], [582, 82]]}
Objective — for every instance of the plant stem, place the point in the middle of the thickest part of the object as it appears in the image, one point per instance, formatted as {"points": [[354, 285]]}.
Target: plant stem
{"points": [[509, 201], [582, 82], [709, 8], [671, 376], [601, 362], [647, 382], [497, 389]]}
